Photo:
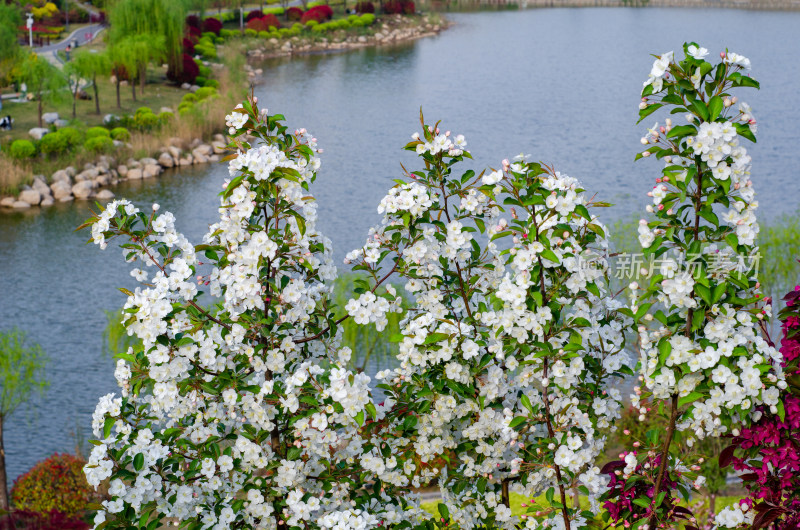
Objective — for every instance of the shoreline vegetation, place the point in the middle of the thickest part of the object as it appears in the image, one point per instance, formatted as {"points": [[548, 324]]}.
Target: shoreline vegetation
{"points": [[187, 128]]}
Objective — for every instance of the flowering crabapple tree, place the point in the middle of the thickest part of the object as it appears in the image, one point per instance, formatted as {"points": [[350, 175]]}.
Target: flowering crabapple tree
{"points": [[507, 354], [704, 366], [240, 413]]}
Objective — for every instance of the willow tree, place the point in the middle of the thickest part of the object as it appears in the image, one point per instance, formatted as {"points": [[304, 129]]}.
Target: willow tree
{"points": [[89, 64], [10, 21], [21, 375], [162, 18], [43, 80]]}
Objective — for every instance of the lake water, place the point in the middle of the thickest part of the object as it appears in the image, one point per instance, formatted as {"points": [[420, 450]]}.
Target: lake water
{"points": [[561, 84]]}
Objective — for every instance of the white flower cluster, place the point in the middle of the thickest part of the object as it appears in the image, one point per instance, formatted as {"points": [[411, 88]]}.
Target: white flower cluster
{"points": [[237, 389], [658, 71], [734, 516]]}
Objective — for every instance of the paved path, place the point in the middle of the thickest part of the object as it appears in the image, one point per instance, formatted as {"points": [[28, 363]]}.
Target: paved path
{"points": [[83, 35]]}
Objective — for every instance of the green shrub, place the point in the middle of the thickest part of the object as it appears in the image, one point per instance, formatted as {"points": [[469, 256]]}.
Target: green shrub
{"points": [[165, 116], [120, 134], [205, 71], [205, 93], [145, 121], [200, 80], [352, 18], [319, 28], [188, 98], [142, 110], [209, 36], [73, 136], [22, 149], [248, 33], [219, 40], [93, 132], [311, 23], [54, 143], [228, 33], [99, 144], [57, 483], [212, 83], [368, 19], [263, 34], [273, 11], [184, 105], [358, 23], [283, 32]]}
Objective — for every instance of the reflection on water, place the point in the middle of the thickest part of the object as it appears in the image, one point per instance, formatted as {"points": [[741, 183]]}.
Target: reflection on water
{"points": [[558, 83]]}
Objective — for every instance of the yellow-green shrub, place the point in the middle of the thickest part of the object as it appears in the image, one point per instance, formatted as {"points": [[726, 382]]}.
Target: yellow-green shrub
{"points": [[22, 149]]}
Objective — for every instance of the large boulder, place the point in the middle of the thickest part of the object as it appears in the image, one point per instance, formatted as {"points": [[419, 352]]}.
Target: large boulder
{"points": [[122, 170], [87, 174], [61, 189], [202, 149], [104, 195], [83, 189], [174, 152], [148, 161], [40, 185], [50, 117], [135, 173], [31, 197], [165, 159], [200, 159], [61, 175], [151, 170], [20, 205], [47, 201], [8, 202], [38, 132], [218, 147]]}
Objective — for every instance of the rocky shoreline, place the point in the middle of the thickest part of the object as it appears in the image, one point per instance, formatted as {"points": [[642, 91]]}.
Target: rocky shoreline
{"points": [[94, 180], [390, 30]]}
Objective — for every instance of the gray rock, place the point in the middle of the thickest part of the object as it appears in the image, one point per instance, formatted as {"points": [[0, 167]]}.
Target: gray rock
{"points": [[88, 174], [214, 158], [194, 88], [152, 170], [122, 169], [31, 196], [61, 189], [83, 189], [148, 161], [70, 171], [60, 123], [362, 39], [196, 142], [40, 185], [37, 132], [202, 149], [47, 201], [219, 138], [61, 175], [186, 86], [102, 180], [174, 152], [218, 147], [104, 195], [88, 165], [20, 205], [200, 159], [135, 174], [68, 198], [165, 159], [117, 143], [49, 117], [166, 109], [7, 202], [108, 118], [185, 161]]}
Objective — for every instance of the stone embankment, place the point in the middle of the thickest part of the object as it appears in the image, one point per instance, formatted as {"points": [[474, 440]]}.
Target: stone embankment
{"points": [[94, 180], [390, 30]]}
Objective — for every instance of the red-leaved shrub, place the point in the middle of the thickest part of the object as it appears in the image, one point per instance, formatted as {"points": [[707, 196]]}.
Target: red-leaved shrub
{"points": [[293, 14], [256, 13], [212, 25], [264, 23], [193, 21], [318, 13], [188, 46], [365, 7], [193, 33], [188, 73], [399, 7], [54, 484]]}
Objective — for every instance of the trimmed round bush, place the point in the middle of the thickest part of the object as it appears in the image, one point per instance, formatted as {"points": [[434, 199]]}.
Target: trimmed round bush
{"points": [[200, 80], [99, 144], [120, 134], [352, 18], [146, 120], [294, 14], [311, 23], [365, 7], [22, 149], [188, 98], [205, 93], [54, 143], [368, 19], [250, 33], [253, 14], [72, 135], [93, 132], [55, 484], [212, 25], [193, 21], [205, 71], [143, 110]]}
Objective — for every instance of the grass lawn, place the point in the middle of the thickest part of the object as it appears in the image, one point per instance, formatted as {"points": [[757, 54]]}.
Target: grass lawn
{"points": [[157, 94]]}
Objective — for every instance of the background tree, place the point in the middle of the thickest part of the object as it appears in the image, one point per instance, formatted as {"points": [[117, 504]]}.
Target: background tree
{"points": [[43, 79], [10, 21], [21, 374], [164, 18], [89, 64]]}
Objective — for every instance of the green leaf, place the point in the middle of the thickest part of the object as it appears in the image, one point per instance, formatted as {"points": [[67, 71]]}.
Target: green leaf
{"points": [[436, 337], [107, 425], [704, 293], [360, 418], [526, 402], [781, 411], [682, 130], [692, 397], [644, 502], [714, 108], [648, 110], [293, 453], [700, 109], [372, 411], [719, 290], [516, 422], [443, 511], [138, 462], [549, 255]]}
